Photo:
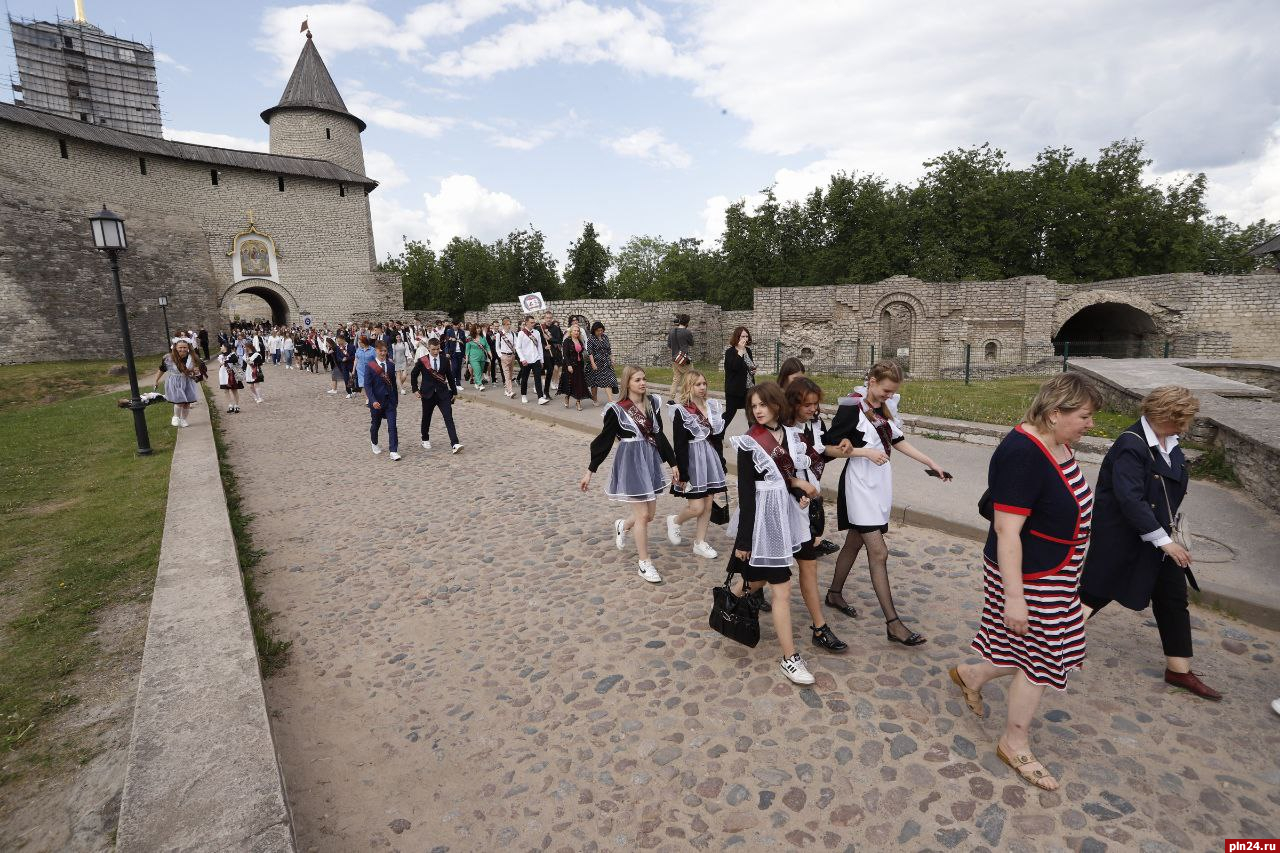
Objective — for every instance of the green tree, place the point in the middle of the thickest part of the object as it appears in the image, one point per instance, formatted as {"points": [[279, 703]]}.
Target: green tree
{"points": [[419, 276], [687, 271], [525, 266], [469, 275], [585, 274], [636, 270]]}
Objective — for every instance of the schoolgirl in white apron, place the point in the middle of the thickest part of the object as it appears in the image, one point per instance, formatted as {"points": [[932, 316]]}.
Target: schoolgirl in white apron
{"points": [[867, 426], [697, 425]]}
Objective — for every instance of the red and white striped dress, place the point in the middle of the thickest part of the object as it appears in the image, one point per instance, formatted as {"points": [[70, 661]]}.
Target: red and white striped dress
{"points": [[1054, 642]]}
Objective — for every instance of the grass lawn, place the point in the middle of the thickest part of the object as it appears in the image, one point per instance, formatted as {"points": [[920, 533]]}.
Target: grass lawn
{"points": [[995, 401], [82, 522], [24, 384]]}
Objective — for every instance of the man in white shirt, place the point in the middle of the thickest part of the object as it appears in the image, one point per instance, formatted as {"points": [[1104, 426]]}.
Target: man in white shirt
{"points": [[529, 351]]}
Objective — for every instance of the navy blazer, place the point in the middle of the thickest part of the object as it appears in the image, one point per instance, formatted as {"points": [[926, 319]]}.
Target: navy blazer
{"points": [[381, 389], [421, 380], [1128, 504]]}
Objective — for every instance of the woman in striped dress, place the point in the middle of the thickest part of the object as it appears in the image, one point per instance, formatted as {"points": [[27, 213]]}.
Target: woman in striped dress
{"points": [[1041, 509]]}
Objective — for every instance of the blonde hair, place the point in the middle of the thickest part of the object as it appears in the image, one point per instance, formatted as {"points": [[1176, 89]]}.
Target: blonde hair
{"points": [[624, 384], [888, 369], [1065, 392], [1170, 404], [685, 392]]}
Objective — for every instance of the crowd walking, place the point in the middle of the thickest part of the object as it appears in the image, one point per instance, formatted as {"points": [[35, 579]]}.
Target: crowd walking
{"points": [[1057, 552]]}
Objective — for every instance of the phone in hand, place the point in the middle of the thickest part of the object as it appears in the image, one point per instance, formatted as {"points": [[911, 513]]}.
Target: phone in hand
{"points": [[945, 475]]}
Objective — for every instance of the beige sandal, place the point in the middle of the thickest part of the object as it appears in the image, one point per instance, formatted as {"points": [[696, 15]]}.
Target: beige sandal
{"points": [[1019, 763], [972, 698]]}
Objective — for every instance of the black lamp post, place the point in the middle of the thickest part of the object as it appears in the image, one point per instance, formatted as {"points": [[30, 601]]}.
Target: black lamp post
{"points": [[163, 302], [109, 236]]}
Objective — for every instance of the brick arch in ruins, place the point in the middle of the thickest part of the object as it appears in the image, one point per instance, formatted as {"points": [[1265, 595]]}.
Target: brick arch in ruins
{"points": [[1069, 308], [284, 307], [897, 321]]}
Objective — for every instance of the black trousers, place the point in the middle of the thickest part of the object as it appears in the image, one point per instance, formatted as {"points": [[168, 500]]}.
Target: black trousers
{"points": [[536, 368], [429, 406], [1168, 605]]}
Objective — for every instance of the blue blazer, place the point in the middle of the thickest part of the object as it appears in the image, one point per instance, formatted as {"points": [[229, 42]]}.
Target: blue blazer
{"points": [[1128, 504], [381, 389], [421, 380]]}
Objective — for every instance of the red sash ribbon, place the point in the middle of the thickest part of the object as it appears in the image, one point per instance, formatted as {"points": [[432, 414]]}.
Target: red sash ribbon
{"points": [[774, 450]]}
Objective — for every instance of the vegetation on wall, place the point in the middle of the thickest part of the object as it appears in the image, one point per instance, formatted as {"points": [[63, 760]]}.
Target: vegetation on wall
{"points": [[970, 217]]}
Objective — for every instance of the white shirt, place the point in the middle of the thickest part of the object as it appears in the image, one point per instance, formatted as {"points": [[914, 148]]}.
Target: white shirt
{"points": [[529, 350], [1158, 537]]}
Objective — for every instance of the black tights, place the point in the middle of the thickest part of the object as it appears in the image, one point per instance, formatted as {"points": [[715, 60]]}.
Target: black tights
{"points": [[877, 561]]}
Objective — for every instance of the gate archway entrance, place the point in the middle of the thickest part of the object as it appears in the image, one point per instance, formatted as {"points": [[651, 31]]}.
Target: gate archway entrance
{"points": [[259, 301], [1108, 329]]}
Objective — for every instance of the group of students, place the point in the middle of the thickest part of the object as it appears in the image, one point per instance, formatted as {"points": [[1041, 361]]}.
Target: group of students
{"points": [[1038, 566]]}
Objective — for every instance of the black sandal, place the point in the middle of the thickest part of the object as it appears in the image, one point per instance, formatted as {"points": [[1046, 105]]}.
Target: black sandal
{"points": [[913, 640], [846, 609], [826, 638]]}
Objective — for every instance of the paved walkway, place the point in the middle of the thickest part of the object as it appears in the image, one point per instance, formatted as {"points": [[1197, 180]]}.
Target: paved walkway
{"points": [[476, 668]]}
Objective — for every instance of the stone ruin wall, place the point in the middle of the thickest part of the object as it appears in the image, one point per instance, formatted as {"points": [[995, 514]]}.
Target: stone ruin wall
{"points": [[1009, 325]]}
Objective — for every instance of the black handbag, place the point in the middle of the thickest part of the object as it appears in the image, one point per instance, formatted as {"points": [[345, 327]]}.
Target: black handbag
{"points": [[817, 516], [719, 512], [735, 616]]}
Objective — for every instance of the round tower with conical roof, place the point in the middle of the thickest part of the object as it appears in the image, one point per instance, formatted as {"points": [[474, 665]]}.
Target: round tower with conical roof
{"points": [[311, 119]]}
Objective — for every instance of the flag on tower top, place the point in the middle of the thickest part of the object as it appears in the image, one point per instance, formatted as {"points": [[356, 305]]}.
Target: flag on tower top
{"points": [[305, 28]]}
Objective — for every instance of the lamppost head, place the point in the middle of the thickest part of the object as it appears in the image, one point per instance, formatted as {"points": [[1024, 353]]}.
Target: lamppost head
{"points": [[108, 231], [162, 301]]}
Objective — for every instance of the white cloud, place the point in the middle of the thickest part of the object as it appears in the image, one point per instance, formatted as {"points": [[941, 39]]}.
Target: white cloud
{"points": [[387, 112], [165, 58], [355, 26], [649, 144], [1248, 191], [216, 140], [462, 208], [382, 168], [881, 88], [577, 32], [713, 219]]}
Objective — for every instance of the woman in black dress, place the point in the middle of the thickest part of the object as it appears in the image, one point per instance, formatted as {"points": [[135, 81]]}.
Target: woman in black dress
{"points": [[1134, 559], [573, 359], [739, 373]]}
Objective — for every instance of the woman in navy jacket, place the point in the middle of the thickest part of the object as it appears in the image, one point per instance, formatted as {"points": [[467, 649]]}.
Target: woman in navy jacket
{"points": [[1133, 559]]}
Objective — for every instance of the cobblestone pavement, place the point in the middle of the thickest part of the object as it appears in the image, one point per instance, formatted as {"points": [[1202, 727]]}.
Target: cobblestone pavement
{"points": [[475, 667]]}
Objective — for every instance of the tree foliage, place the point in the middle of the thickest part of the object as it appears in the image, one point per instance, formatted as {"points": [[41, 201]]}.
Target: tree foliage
{"points": [[971, 216]]}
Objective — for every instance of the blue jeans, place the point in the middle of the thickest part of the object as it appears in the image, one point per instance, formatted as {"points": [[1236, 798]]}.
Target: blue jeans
{"points": [[376, 417]]}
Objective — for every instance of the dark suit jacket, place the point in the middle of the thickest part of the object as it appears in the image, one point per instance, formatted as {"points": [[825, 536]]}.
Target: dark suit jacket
{"points": [[422, 380], [1129, 503], [381, 389]]}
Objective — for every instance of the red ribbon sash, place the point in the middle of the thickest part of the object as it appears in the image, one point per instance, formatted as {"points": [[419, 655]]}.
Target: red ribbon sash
{"points": [[774, 450]]}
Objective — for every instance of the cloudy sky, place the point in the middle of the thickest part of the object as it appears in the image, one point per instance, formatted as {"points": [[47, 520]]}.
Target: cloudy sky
{"points": [[648, 118]]}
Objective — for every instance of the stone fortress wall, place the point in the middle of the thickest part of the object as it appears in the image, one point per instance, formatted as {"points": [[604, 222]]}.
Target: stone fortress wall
{"points": [[1009, 325]]}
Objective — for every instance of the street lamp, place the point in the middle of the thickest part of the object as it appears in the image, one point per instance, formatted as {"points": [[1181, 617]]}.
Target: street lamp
{"points": [[109, 236], [163, 302]]}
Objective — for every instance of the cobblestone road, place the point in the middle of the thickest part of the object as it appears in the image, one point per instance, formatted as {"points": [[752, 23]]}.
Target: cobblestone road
{"points": [[476, 667]]}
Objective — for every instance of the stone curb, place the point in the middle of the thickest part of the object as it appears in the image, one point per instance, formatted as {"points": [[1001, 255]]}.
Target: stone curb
{"points": [[202, 773], [1237, 602]]}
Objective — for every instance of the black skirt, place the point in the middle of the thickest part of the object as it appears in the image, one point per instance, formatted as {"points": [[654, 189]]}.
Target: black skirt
{"points": [[768, 574]]}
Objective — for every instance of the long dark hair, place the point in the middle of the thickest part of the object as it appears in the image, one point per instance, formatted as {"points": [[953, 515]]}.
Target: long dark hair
{"points": [[770, 393], [791, 367]]}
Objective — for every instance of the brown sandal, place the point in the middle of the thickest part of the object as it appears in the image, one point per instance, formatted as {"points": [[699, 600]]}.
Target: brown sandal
{"points": [[1019, 763], [972, 698]]}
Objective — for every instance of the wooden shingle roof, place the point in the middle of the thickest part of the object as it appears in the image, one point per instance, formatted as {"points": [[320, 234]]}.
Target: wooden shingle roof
{"points": [[275, 164], [1272, 245], [311, 88]]}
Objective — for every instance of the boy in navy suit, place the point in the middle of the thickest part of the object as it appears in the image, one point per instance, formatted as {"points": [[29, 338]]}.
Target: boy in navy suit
{"points": [[380, 389], [432, 380]]}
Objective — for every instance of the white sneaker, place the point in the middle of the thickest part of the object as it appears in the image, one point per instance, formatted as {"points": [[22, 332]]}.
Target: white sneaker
{"points": [[182, 422], [376, 448], [457, 447], [524, 399], [332, 391], [348, 396], [542, 401], [794, 669], [402, 391], [620, 533], [673, 531], [173, 421], [508, 394], [426, 445], [395, 457], [649, 573], [702, 549]]}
